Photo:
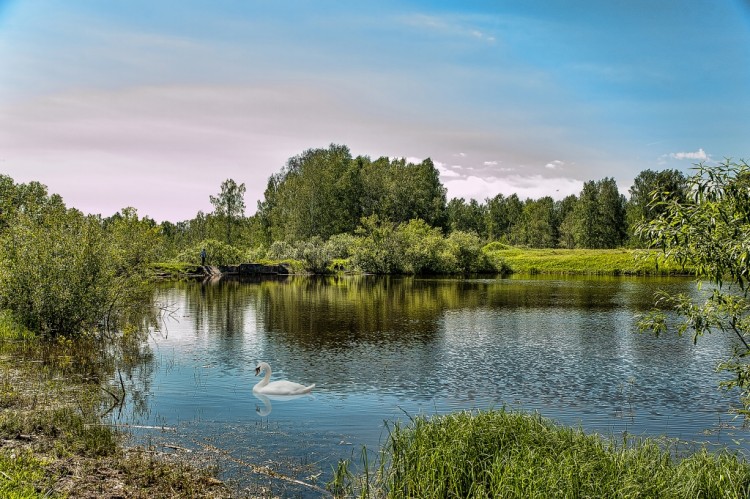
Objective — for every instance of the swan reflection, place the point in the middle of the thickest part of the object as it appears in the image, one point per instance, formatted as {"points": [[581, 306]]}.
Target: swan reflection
{"points": [[266, 400]]}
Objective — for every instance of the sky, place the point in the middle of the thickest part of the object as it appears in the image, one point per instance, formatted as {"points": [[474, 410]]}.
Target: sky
{"points": [[154, 104]]}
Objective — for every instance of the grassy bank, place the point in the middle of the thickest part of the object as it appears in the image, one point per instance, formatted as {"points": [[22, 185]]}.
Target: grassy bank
{"points": [[581, 261], [515, 455], [53, 442], [507, 260]]}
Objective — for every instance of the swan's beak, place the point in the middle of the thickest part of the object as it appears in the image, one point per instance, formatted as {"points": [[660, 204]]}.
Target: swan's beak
{"points": [[257, 371]]}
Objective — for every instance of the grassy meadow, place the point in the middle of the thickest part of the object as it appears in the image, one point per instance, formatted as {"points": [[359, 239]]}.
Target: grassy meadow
{"points": [[581, 261]]}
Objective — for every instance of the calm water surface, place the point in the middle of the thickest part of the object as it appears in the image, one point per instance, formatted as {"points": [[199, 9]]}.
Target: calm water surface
{"points": [[384, 349]]}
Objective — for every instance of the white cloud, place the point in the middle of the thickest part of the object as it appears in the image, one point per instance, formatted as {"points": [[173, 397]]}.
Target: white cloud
{"points": [[447, 171], [700, 154], [490, 163], [448, 25], [533, 186], [553, 165]]}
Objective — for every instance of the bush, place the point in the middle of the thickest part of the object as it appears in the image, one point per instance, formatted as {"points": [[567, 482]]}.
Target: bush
{"points": [[217, 253], [464, 254], [340, 246], [315, 256], [281, 250], [62, 273]]}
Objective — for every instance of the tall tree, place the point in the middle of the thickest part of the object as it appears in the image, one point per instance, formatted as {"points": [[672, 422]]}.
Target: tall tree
{"points": [[536, 227], [599, 215], [564, 221], [640, 209], [502, 214], [229, 205], [467, 217]]}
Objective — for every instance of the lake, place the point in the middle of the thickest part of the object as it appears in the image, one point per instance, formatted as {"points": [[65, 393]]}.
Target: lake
{"points": [[385, 349]]}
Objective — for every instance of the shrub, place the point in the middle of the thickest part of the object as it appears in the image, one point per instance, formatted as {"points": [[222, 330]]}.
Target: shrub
{"points": [[217, 253]]}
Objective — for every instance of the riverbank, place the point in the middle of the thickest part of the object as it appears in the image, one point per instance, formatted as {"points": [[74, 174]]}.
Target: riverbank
{"points": [[504, 260], [54, 440]]}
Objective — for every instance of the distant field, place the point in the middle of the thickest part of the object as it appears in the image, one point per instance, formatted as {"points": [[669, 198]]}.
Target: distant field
{"points": [[584, 261]]}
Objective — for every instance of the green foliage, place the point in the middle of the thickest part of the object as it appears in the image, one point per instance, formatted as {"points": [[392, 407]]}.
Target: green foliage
{"points": [[464, 254], [281, 250], [665, 184], [416, 248], [315, 255], [217, 253], [22, 474], [423, 247], [598, 218], [709, 231], [229, 205], [340, 246], [324, 192], [377, 250], [506, 454], [535, 228], [65, 273]]}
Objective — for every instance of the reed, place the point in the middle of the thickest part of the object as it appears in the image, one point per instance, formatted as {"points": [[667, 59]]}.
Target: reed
{"points": [[506, 454]]}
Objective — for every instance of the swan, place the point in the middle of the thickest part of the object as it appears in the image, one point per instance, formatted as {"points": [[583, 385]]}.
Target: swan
{"points": [[282, 387]]}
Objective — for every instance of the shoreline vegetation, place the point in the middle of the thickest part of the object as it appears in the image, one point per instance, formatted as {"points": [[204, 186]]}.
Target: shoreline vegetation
{"points": [[504, 261]]}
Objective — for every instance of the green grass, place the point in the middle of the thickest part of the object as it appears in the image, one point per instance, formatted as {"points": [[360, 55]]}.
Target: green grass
{"points": [[22, 475], [582, 261], [516, 455]]}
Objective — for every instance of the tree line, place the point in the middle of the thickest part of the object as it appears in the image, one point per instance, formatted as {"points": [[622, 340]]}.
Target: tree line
{"points": [[386, 215], [327, 192]]}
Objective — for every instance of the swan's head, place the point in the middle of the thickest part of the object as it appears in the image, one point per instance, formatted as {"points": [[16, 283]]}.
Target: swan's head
{"points": [[262, 366]]}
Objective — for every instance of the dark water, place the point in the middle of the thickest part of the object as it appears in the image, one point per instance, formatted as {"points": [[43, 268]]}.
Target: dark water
{"points": [[384, 349]]}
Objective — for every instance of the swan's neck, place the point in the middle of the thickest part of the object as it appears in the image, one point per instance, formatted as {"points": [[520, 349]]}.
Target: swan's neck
{"points": [[266, 378]]}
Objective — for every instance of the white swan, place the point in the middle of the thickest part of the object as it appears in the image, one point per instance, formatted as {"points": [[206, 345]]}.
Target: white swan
{"points": [[282, 387]]}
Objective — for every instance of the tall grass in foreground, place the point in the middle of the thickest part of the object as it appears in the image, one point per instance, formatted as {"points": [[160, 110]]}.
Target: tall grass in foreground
{"points": [[506, 454]]}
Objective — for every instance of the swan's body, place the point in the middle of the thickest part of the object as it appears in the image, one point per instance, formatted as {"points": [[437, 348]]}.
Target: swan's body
{"points": [[281, 387]]}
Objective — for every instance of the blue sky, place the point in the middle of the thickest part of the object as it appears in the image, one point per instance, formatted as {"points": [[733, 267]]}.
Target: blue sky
{"points": [[153, 104]]}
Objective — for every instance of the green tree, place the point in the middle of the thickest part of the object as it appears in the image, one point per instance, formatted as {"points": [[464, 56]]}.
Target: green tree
{"points": [[665, 184], [564, 221], [315, 194], [229, 205], [502, 214], [398, 191], [710, 233], [536, 226], [598, 219], [466, 216], [377, 250]]}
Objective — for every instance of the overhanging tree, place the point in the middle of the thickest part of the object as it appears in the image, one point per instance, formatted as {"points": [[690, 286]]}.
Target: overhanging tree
{"points": [[709, 231]]}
